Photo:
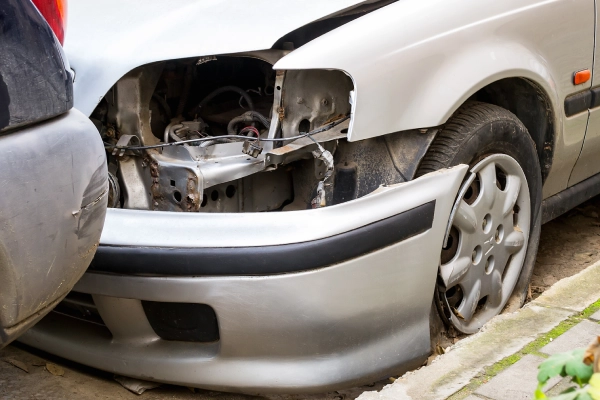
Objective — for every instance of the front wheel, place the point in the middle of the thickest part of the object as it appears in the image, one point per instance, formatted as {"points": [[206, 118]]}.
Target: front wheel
{"points": [[487, 252]]}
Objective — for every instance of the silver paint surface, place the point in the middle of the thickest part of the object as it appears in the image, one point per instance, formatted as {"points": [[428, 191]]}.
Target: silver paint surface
{"points": [[349, 323], [54, 181]]}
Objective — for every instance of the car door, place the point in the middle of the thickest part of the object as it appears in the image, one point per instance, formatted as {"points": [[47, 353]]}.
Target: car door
{"points": [[588, 163]]}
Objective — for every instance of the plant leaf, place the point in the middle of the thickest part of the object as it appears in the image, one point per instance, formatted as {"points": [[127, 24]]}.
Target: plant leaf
{"points": [[19, 364], [563, 364], [55, 369], [594, 387], [573, 394], [539, 393]]}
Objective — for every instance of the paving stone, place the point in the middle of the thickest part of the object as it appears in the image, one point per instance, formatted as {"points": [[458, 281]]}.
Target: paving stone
{"points": [[579, 336], [516, 382], [596, 316], [561, 386]]}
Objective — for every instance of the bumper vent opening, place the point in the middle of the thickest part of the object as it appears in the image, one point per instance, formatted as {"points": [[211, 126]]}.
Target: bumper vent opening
{"points": [[187, 322], [80, 306]]}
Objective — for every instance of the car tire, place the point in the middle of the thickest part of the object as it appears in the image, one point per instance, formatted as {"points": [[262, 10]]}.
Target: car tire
{"points": [[487, 261]]}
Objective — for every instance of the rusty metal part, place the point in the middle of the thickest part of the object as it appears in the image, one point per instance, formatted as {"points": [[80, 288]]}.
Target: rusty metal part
{"points": [[176, 181]]}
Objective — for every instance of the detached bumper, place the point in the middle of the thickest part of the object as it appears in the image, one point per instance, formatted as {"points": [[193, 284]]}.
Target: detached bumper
{"points": [[304, 300], [52, 210]]}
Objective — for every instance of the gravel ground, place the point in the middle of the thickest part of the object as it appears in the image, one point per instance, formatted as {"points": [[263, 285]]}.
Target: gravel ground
{"points": [[568, 245]]}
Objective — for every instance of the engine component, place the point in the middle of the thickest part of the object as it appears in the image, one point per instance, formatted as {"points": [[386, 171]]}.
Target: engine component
{"points": [[182, 130], [114, 191], [247, 117], [253, 149]]}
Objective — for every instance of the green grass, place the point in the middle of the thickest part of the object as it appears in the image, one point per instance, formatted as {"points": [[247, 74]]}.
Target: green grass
{"points": [[532, 348]]}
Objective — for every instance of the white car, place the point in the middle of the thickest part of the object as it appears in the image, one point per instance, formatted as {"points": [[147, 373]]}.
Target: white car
{"points": [[302, 189]]}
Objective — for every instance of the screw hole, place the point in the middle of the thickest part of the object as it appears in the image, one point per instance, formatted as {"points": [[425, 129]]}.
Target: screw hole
{"points": [[230, 191], [486, 224], [214, 196], [304, 126], [172, 182], [278, 87], [489, 265], [177, 196], [345, 130], [499, 234], [204, 200], [476, 256]]}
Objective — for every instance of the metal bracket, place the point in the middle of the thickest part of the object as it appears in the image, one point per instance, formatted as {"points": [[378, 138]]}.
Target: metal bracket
{"points": [[124, 141]]}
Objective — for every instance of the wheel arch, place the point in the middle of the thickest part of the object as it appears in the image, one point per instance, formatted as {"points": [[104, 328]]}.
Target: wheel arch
{"points": [[532, 105]]}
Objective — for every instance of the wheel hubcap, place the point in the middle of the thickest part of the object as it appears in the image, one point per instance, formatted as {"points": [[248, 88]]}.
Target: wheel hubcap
{"points": [[484, 254]]}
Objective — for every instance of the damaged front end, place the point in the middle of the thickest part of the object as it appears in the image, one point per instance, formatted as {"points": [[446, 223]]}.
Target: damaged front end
{"points": [[226, 134], [194, 275]]}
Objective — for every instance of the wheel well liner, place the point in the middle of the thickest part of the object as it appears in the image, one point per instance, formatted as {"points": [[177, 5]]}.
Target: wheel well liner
{"points": [[531, 105]]}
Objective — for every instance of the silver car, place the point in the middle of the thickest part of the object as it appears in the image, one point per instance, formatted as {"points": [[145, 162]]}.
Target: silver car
{"points": [[304, 191], [53, 177]]}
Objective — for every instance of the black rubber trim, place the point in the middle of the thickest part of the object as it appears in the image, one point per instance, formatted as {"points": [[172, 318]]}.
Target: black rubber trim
{"points": [[595, 97], [264, 260], [560, 203], [578, 103]]}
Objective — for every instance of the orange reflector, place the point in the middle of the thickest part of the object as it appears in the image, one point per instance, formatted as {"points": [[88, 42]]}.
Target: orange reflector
{"points": [[581, 77]]}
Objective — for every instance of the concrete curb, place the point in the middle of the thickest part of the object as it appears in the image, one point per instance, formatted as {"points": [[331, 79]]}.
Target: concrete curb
{"points": [[500, 338]]}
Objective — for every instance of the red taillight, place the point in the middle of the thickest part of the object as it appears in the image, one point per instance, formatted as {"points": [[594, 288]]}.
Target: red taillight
{"points": [[55, 12]]}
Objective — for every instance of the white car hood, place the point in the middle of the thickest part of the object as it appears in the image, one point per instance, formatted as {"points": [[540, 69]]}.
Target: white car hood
{"points": [[106, 39]]}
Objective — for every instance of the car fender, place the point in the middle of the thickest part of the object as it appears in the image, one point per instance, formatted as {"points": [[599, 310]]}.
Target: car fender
{"points": [[414, 63]]}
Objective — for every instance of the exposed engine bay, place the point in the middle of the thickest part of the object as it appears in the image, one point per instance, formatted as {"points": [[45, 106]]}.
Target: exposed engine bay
{"points": [[230, 134]]}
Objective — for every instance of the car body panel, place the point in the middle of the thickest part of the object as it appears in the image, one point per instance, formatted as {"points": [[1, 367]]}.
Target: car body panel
{"points": [[155, 30], [34, 80], [339, 325], [412, 71], [52, 211], [587, 164]]}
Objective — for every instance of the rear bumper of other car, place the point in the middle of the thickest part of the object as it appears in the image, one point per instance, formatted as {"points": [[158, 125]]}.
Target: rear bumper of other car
{"points": [[52, 209], [293, 301]]}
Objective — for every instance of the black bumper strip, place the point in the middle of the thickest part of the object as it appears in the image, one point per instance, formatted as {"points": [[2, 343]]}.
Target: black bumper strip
{"points": [[595, 97], [578, 103], [264, 260]]}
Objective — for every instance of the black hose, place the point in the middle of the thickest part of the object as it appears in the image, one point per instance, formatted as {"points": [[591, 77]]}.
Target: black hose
{"points": [[224, 89], [187, 83], [163, 104], [248, 116]]}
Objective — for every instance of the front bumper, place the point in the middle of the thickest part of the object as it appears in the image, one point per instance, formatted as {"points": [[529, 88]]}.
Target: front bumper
{"points": [[347, 300], [52, 210]]}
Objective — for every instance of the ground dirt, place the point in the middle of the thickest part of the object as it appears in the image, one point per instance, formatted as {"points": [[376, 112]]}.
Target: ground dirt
{"points": [[568, 245]]}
